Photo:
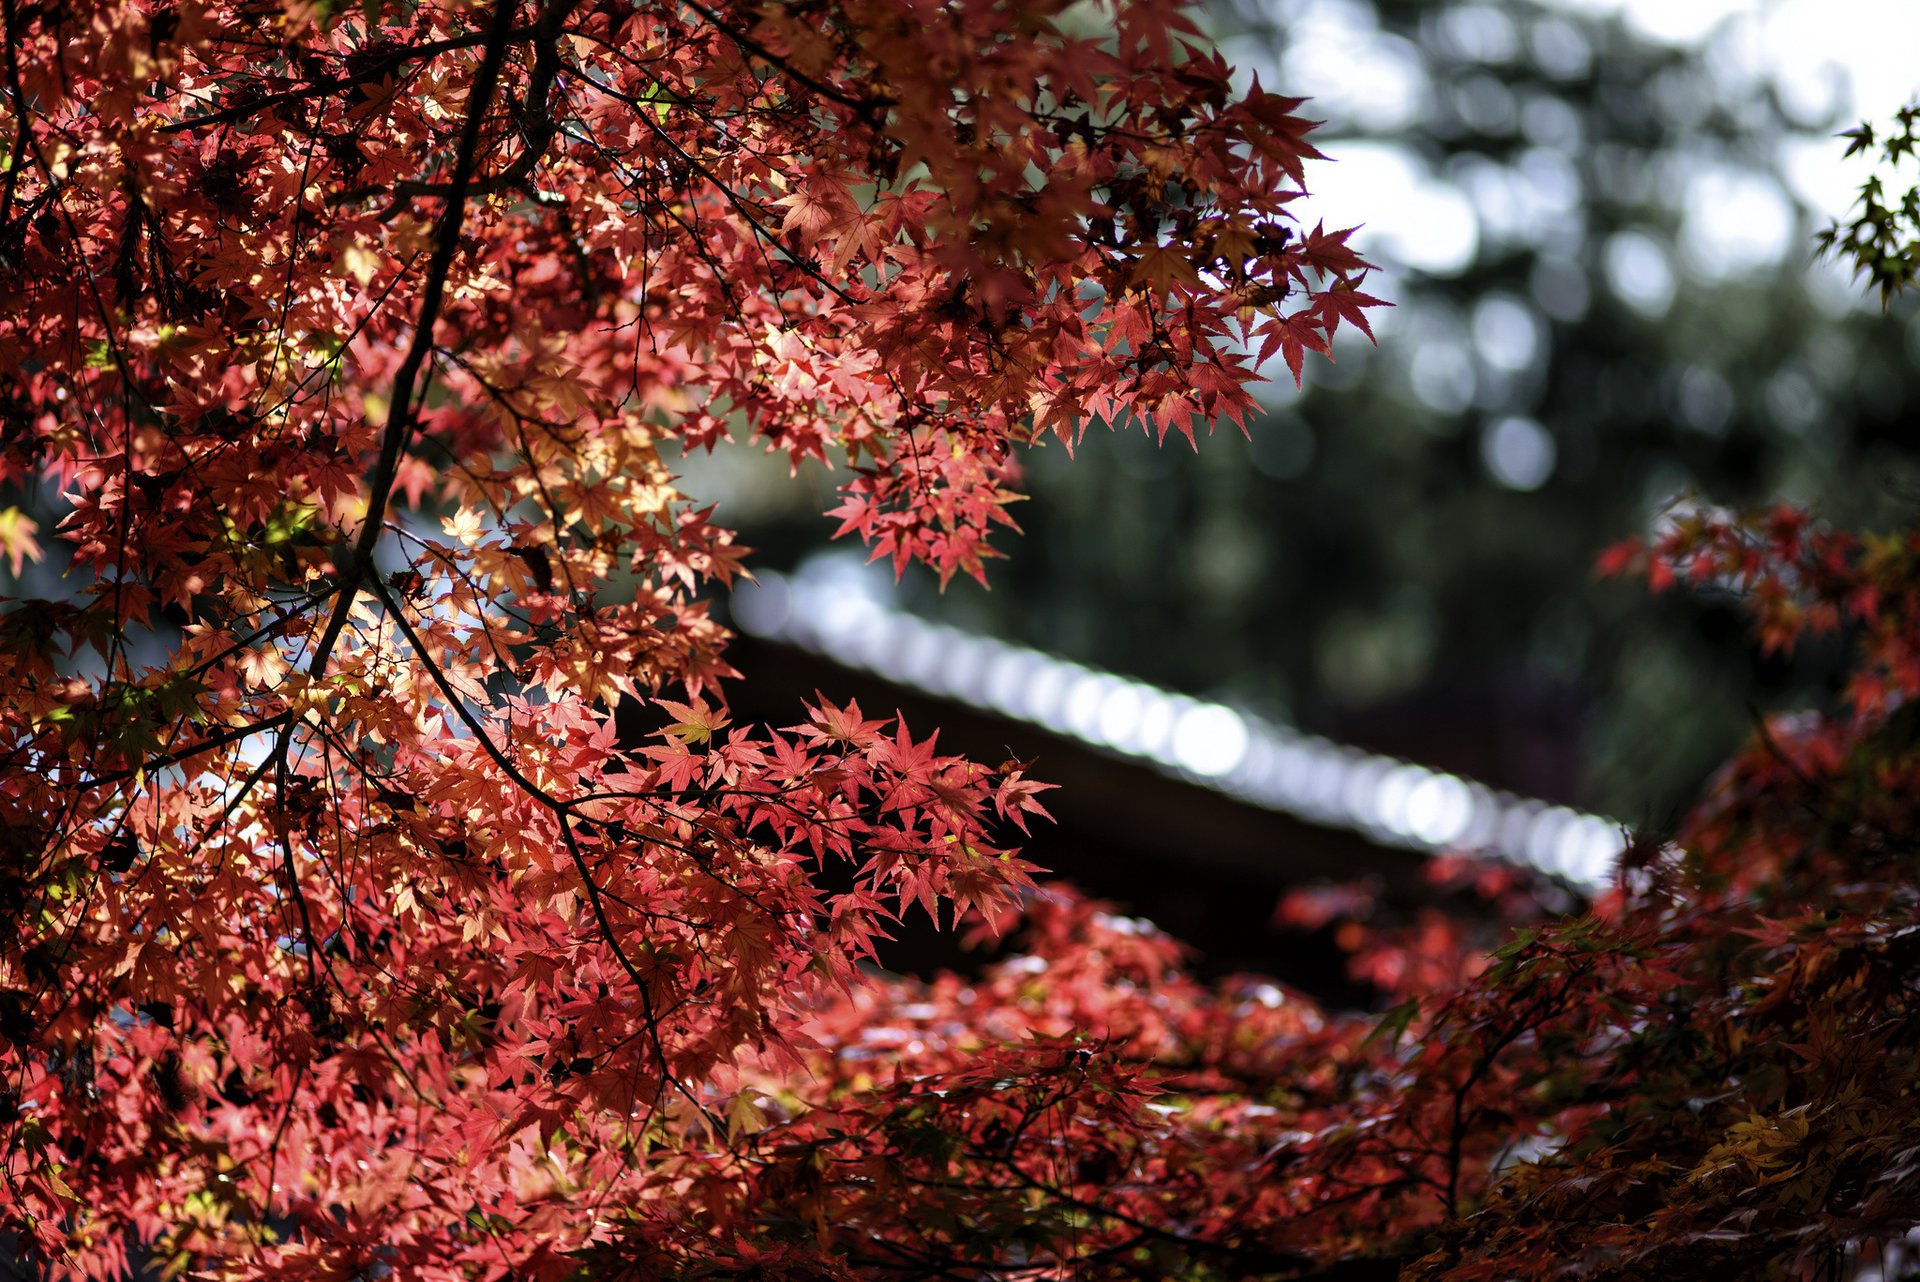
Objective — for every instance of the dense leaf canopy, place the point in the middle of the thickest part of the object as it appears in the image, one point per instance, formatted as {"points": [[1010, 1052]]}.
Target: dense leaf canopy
{"points": [[392, 894], [352, 937]]}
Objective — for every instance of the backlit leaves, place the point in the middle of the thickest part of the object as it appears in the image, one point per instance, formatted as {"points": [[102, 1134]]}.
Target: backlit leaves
{"points": [[380, 741]]}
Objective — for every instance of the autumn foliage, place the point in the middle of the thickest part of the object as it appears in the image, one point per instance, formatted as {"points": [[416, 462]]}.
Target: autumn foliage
{"points": [[351, 937]]}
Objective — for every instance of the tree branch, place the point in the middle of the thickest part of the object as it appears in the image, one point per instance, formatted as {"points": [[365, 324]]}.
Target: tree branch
{"points": [[374, 71], [540, 122], [400, 413]]}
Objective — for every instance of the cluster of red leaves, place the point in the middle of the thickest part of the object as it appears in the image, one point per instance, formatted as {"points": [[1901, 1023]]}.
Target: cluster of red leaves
{"points": [[1797, 577], [912, 236], [349, 938], [1747, 1108]]}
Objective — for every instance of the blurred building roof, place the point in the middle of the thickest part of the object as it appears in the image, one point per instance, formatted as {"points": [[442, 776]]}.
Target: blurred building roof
{"points": [[1193, 813]]}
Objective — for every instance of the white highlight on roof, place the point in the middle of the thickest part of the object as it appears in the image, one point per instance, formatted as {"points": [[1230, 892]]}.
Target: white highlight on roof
{"points": [[1210, 740], [831, 608]]}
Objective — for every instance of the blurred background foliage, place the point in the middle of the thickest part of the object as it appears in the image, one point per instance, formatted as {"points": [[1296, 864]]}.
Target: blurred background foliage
{"points": [[1607, 303]]}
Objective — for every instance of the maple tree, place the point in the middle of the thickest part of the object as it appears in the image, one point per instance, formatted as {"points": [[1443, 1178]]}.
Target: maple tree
{"points": [[350, 937]]}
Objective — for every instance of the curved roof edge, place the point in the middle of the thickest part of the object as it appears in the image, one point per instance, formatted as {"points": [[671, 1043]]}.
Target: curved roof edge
{"points": [[1391, 802]]}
